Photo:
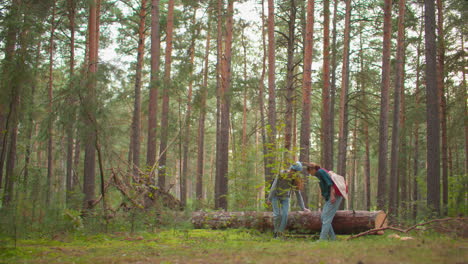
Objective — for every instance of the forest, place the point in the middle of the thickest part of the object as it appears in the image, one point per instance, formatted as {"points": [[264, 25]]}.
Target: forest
{"points": [[131, 116]]}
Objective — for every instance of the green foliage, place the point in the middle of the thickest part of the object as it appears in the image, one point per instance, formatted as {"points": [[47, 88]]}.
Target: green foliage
{"points": [[458, 187]]}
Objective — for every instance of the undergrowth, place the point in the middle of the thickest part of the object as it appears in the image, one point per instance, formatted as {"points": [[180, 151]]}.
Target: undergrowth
{"points": [[187, 245]]}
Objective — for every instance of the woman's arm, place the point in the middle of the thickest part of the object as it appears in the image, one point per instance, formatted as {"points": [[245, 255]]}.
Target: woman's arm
{"points": [[301, 201], [332, 194], [272, 189]]}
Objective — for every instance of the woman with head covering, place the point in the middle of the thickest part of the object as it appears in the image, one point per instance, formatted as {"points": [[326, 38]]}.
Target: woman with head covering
{"points": [[280, 192]]}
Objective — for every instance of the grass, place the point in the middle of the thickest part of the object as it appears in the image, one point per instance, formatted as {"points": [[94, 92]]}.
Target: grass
{"points": [[233, 246]]}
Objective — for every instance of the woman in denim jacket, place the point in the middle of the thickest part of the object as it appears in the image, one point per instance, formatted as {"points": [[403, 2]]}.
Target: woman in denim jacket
{"points": [[280, 192]]}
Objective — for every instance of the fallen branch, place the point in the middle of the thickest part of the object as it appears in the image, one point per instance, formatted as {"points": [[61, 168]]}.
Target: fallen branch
{"points": [[373, 231]]}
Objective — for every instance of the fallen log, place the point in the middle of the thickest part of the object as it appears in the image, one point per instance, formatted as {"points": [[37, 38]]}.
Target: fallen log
{"points": [[345, 222]]}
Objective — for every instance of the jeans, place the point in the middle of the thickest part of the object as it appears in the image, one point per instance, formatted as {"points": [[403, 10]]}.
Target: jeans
{"points": [[280, 213], [328, 212]]}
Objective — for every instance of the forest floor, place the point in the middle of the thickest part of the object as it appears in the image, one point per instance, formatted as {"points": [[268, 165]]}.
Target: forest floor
{"points": [[235, 246]]}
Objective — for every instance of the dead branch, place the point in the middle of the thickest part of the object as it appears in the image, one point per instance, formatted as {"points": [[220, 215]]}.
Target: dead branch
{"points": [[374, 231]]}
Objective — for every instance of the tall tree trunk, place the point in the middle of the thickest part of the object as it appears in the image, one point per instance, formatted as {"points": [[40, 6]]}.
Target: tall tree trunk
{"points": [[352, 179], [136, 124], [76, 161], [343, 126], [10, 44], [367, 167], [201, 121], [404, 158], [50, 148], [30, 124], [221, 200], [334, 66], [290, 76], [416, 124], [90, 137], [463, 88], [443, 102], [71, 118], [153, 97], [187, 136], [432, 110], [271, 131], [362, 81], [165, 105], [10, 178], [327, 137], [261, 88], [399, 76], [304, 154], [384, 107], [244, 108], [219, 67]]}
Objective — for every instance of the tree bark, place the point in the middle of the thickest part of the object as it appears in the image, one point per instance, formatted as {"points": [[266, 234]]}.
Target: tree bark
{"points": [[71, 100], [261, 104], [165, 105], [90, 137], [443, 102], [432, 110], [50, 131], [399, 77], [334, 66], [271, 131], [290, 76], [201, 121], [153, 97], [327, 137], [187, 136], [384, 107], [344, 222], [221, 200], [136, 124], [10, 44], [304, 154], [343, 126], [416, 125]]}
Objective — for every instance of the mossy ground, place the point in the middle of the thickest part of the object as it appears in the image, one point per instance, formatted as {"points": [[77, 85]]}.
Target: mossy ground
{"points": [[233, 246]]}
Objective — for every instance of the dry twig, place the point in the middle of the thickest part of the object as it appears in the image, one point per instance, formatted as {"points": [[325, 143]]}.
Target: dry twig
{"points": [[373, 231]]}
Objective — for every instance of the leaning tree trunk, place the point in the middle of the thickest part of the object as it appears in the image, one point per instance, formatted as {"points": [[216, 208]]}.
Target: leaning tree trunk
{"points": [[344, 222]]}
